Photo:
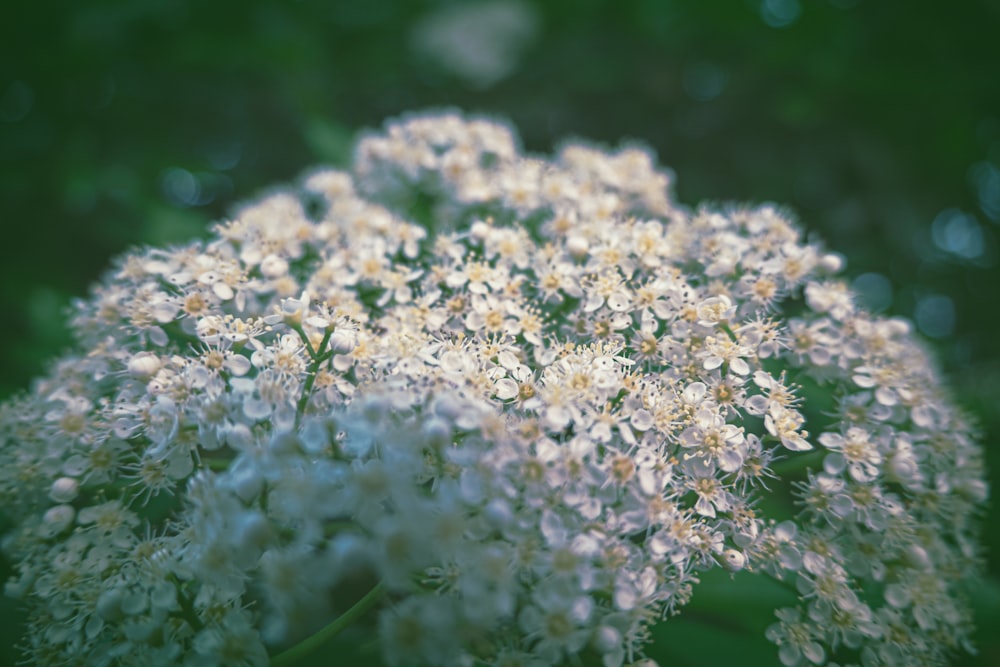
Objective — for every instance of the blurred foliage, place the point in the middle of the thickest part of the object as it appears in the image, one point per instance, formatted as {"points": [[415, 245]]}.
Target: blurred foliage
{"points": [[877, 122]]}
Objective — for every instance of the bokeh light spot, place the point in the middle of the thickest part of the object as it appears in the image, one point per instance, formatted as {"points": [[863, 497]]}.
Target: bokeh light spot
{"points": [[935, 315], [958, 233], [780, 13], [704, 81], [478, 42], [179, 186], [186, 189], [874, 289], [225, 155], [16, 102], [985, 179]]}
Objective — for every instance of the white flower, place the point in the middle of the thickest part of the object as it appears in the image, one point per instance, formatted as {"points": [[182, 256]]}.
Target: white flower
{"points": [[856, 450], [796, 639], [715, 310], [556, 621], [233, 641], [714, 440]]}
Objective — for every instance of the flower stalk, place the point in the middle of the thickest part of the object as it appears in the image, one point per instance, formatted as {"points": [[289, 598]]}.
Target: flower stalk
{"points": [[316, 641]]}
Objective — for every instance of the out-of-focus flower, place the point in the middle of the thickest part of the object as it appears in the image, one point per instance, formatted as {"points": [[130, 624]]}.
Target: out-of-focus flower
{"points": [[480, 42]]}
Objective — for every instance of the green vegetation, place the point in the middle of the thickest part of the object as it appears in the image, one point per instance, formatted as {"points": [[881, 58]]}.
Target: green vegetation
{"points": [[125, 123]]}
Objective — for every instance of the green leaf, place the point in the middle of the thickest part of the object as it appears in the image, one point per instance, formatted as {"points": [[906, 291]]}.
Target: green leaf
{"points": [[724, 623]]}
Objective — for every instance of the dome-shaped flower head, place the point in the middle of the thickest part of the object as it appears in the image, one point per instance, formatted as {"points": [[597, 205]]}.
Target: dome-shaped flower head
{"points": [[509, 407]]}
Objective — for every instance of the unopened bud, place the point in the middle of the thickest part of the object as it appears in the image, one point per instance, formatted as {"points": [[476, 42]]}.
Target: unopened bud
{"points": [[273, 266], [832, 262], [437, 431], [57, 519], [143, 365], [343, 341], [479, 230], [64, 490], [577, 247], [735, 560]]}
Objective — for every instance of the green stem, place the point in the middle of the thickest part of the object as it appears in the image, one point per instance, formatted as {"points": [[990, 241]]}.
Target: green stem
{"points": [[297, 328], [300, 408], [728, 331], [318, 357], [799, 463], [325, 634], [187, 611]]}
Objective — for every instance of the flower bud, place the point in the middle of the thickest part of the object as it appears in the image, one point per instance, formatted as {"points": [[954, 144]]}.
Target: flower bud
{"points": [[57, 519], [292, 311], [109, 604], [832, 262], [607, 639], [577, 247], [253, 531], [64, 490], [479, 231], [343, 341], [143, 365], [273, 266], [438, 432], [735, 560]]}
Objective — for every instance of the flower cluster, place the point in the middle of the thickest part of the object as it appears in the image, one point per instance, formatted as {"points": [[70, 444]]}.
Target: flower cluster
{"points": [[523, 403]]}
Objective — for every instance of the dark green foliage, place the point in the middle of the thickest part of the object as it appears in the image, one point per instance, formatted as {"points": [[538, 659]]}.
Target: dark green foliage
{"points": [[141, 122]]}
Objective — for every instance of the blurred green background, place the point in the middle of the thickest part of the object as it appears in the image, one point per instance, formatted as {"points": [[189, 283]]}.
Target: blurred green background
{"points": [[126, 122]]}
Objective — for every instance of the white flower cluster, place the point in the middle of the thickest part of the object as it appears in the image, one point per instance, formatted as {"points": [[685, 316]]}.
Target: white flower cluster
{"points": [[521, 403]]}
